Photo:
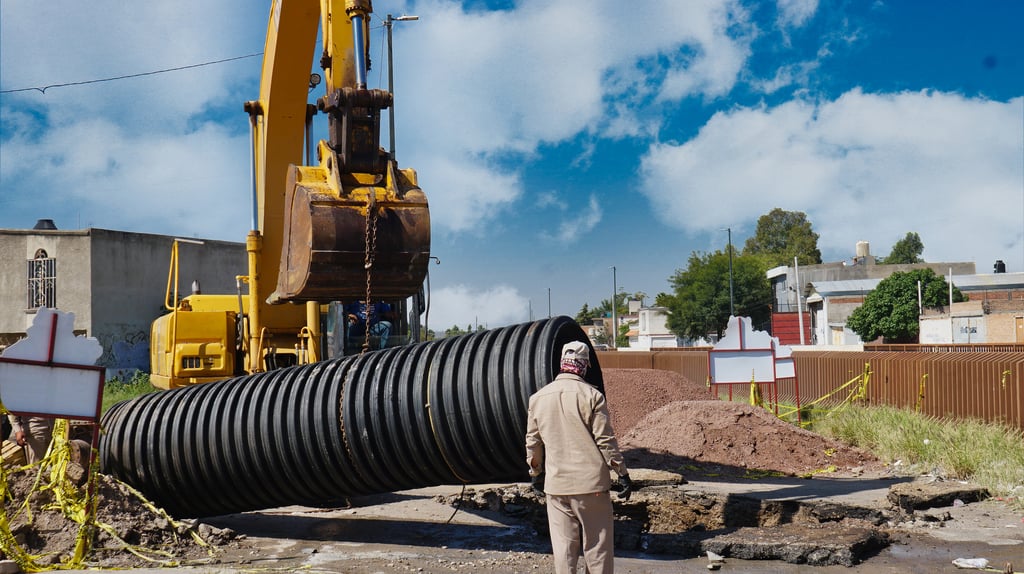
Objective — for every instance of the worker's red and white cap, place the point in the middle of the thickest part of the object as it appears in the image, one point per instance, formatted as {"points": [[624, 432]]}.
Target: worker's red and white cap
{"points": [[576, 350]]}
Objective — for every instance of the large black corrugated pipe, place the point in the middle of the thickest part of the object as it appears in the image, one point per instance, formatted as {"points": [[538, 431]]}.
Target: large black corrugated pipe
{"points": [[445, 412]]}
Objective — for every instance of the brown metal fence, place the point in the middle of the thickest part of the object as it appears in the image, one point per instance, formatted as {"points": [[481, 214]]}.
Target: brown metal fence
{"points": [[949, 348], [982, 385]]}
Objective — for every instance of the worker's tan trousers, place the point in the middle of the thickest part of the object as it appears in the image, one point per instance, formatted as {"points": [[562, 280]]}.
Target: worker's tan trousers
{"points": [[38, 433], [589, 515]]}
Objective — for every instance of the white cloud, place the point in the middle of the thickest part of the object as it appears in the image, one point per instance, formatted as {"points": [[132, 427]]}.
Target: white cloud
{"points": [[464, 193], [795, 13], [176, 185], [788, 75], [143, 153], [550, 199], [579, 222], [106, 38], [477, 91], [462, 305], [545, 72], [862, 167]]}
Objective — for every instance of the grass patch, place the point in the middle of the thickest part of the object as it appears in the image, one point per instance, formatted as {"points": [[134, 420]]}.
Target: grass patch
{"points": [[990, 455], [116, 390]]}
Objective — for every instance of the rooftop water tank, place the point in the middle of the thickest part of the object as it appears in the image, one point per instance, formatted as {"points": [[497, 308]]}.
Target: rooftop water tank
{"points": [[863, 249]]}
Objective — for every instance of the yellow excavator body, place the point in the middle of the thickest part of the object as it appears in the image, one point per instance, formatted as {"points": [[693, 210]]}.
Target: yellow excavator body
{"points": [[354, 226]]}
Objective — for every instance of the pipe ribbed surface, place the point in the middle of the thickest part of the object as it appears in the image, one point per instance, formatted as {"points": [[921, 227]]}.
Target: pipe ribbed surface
{"points": [[445, 412]]}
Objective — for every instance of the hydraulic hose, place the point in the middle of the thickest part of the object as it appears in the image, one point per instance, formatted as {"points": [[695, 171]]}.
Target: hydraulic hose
{"points": [[451, 411]]}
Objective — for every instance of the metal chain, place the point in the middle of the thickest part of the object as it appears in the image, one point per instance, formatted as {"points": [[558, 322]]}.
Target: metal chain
{"points": [[371, 248]]}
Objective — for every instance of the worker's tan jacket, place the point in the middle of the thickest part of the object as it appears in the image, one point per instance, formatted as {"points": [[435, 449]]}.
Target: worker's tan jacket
{"points": [[570, 438]]}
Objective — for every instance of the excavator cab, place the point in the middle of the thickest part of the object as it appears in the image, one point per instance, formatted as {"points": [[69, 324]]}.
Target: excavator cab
{"points": [[392, 323]]}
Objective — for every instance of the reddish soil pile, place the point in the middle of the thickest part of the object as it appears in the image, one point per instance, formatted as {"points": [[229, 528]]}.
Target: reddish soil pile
{"points": [[634, 393], [666, 422]]}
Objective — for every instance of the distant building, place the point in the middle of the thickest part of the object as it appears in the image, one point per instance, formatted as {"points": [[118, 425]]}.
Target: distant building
{"points": [[652, 331], [647, 329], [999, 294], [597, 331], [113, 281], [993, 313], [825, 295]]}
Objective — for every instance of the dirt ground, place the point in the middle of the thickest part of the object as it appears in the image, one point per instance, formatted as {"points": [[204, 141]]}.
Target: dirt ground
{"points": [[716, 476]]}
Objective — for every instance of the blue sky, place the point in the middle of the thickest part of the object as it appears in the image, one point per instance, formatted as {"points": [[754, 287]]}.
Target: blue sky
{"points": [[555, 139]]}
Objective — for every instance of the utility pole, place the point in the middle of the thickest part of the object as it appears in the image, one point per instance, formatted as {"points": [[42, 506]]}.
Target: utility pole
{"points": [[731, 311], [615, 321], [549, 302]]}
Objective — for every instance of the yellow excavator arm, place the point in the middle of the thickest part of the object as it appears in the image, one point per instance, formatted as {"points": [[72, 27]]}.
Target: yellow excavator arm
{"points": [[347, 226]]}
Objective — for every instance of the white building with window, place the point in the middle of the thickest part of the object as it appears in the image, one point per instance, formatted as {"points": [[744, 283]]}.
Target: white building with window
{"points": [[113, 281], [651, 330]]}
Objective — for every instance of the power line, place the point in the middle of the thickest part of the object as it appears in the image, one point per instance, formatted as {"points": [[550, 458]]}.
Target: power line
{"points": [[44, 88]]}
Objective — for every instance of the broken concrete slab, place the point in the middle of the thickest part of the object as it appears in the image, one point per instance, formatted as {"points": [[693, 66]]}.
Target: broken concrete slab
{"points": [[924, 494], [812, 544]]}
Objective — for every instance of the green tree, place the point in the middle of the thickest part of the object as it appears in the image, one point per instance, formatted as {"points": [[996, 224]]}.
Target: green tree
{"points": [[586, 315], [782, 235], [906, 250], [622, 338], [455, 331], [639, 296], [699, 305], [890, 310]]}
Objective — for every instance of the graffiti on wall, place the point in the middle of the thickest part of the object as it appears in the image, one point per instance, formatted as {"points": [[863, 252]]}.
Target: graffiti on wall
{"points": [[124, 353]]}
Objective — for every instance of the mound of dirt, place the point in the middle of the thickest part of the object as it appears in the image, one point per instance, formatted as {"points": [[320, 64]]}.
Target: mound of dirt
{"points": [[733, 435], [129, 532], [634, 393], [665, 421]]}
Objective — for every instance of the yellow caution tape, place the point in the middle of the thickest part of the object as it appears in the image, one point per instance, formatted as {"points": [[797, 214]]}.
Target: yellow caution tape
{"points": [[78, 505], [920, 393], [858, 393]]}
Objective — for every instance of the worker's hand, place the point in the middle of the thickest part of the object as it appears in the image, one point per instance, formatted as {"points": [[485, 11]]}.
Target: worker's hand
{"points": [[19, 437], [625, 487], [537, 482]]}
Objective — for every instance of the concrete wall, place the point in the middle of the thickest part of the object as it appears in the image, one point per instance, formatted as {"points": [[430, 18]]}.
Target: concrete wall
{"points": [[70, 249], [975, 322], [1006, 327], [129, 279], [113, 281]]}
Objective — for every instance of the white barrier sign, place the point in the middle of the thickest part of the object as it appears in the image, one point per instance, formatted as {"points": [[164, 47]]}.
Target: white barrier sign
{"points": [[745, 355], [742, 367], [52, 372]]}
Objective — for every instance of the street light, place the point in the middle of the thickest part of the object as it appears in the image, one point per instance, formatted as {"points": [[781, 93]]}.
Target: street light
{"points": [[391, 78]]}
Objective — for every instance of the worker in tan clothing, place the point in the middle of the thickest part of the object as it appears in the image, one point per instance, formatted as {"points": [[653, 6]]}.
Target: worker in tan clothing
{"points": [[32, 433], [571, 449]]}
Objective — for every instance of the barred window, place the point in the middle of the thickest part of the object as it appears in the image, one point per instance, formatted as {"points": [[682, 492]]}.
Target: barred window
{"points": [[42, 281]]}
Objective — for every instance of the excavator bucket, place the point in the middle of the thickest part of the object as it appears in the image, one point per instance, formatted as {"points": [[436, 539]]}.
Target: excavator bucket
{"points": [[335, 244]]}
